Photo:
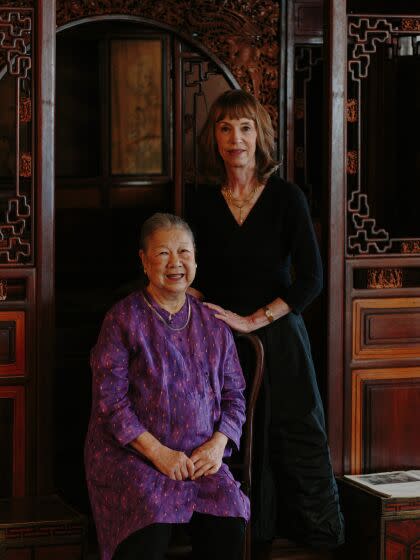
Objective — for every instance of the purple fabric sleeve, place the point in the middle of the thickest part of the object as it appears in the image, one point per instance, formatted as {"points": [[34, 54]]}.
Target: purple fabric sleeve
{"points": [[109, 362]]}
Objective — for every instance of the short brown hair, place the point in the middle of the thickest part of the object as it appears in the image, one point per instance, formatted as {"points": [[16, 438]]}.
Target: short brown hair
{"points": [[238, 104]]}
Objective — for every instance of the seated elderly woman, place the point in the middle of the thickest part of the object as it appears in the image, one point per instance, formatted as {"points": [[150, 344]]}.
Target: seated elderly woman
{"points": [[167, 407]]}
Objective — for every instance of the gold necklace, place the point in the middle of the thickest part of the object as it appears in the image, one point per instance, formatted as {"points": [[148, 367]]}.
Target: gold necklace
{"points": [[170, 315], [228, 194]]}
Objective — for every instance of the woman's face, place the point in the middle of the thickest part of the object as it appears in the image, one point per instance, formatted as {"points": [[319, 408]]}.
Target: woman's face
{"points": [[237, 141], [169, 261]]}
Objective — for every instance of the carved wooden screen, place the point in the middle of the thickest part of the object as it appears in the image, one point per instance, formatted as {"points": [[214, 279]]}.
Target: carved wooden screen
{"points": [[382, 380], [378, 212], [16, 94], [16, 244]]}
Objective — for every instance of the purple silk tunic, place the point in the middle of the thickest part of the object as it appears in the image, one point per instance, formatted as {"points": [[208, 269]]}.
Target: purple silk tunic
{"points": [[181, 386]]}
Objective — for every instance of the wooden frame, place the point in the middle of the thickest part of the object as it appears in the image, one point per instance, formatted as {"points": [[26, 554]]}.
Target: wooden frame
{"points": [[17, 363], [365, 311], [17, 394], [139, 131], [43, 451], [336, 52]]}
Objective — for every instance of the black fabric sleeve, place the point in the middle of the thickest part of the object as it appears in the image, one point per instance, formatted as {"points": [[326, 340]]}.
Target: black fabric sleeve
{"points": [[306, 260]]}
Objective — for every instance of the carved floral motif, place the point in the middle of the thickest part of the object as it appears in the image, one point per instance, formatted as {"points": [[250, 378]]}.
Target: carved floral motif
{"points": [[352, 110], [25, 109], [352, 160], [25, 167], [243, 34], [410, 24], [385, 278], [410, 247]]}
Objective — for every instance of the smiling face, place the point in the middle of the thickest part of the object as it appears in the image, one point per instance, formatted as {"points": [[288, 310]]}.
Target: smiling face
{"points": [[237, 142], [169, 262]]}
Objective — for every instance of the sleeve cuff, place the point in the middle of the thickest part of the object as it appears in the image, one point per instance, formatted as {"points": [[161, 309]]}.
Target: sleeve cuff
{"points": [[231, 432], [124, 430]]}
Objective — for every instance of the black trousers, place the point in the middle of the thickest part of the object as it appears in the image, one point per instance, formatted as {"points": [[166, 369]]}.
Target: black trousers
{"points": [[211, 537]]}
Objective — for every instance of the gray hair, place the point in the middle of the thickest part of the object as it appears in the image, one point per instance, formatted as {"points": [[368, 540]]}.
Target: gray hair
{"points": [[159, 221]]}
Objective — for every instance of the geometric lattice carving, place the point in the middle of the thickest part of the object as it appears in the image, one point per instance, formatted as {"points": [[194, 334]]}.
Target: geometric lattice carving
{"points": [[15, 49], [15, 39], [365, 235], [365, 33]]}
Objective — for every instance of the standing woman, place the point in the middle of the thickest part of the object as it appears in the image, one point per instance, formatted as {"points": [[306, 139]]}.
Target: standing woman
{"points": [[259, 267]]}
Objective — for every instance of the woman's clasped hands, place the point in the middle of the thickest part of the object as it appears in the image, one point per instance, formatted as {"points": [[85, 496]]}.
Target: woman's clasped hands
{"points": [[204, 460]]}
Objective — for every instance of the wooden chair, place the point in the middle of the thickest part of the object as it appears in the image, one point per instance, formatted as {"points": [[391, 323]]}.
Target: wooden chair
{"points": [[251, 355]]}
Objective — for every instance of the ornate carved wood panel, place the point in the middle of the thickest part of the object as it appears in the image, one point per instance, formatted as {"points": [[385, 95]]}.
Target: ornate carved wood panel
{"points": [[382, 328], [244, 35], [385, 418]]}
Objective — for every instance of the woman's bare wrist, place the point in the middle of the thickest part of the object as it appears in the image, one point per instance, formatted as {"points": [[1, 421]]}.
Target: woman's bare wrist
{"points": [[147, 445], [220, 438]]}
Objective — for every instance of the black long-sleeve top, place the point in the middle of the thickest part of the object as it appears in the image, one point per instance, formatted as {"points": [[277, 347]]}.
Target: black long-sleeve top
{"points": [[246, 267]]}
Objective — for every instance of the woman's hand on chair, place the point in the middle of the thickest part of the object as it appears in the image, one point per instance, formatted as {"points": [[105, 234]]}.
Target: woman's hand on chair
{"points": [[207, 458], [240, 323]]}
